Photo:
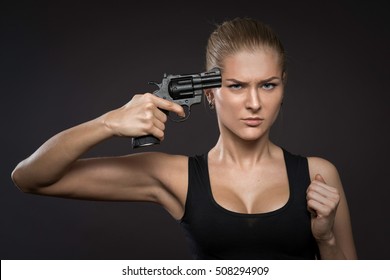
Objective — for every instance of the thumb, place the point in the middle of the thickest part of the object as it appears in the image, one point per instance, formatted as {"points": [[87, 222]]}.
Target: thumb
{"points": [[318, 177]]}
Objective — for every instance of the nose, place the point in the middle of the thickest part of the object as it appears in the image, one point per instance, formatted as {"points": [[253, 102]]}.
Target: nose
{"points": [[253, 100]]}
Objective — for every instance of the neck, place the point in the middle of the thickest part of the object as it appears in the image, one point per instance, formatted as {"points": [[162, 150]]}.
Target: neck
{"points": [[242, 153]]}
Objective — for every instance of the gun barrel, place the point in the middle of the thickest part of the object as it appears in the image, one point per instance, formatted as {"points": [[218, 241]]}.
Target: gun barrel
{"points": [[186, 86], [204, 82], [185, 90]]}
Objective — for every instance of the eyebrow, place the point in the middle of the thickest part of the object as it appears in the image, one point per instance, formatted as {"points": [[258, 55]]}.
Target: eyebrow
{"points": [[262, 81]]}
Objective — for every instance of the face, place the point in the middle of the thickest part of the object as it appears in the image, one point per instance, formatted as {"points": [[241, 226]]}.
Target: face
{"points": [[250, 97]]}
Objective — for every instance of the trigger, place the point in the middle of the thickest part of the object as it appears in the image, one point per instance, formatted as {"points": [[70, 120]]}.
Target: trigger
{"points": [[176, 118]]}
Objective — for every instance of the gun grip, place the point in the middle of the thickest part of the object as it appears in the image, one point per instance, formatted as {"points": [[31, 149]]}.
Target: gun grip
{"points": [[147, 140], [143, 141]]}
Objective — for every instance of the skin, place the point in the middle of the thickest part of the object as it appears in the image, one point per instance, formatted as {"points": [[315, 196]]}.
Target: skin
{"points": [[247, 171]]}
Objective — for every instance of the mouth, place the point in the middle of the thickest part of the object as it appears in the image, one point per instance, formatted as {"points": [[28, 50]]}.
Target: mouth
{"points": [[252, 121]]}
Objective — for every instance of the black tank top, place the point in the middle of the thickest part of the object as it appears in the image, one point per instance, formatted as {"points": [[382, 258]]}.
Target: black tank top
{"points": [[214, 232]]}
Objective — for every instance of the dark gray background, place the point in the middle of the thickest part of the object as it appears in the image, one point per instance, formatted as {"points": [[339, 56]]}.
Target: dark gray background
{"points": [[64, 64]]}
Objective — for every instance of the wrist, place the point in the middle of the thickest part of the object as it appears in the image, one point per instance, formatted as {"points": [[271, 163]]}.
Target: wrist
{"points": [[329, 249], [327, 241], [107, 125]]}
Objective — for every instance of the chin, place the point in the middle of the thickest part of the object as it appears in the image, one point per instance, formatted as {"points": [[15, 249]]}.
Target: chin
{"points": [[248, 134], [251, 137], [254, 135]]}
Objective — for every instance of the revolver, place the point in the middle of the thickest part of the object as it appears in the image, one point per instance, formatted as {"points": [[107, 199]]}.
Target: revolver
{"points": [[185, 90]]}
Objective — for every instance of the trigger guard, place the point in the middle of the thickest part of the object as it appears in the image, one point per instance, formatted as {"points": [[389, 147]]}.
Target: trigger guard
{"points": [[188, 113]]}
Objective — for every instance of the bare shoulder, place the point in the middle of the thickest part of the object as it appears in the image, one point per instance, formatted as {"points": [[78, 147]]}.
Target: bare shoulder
{"points": [[325, 168]]}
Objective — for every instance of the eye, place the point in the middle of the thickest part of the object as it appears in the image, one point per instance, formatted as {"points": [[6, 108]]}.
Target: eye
{"points": [[235, 86], [269, 86]]}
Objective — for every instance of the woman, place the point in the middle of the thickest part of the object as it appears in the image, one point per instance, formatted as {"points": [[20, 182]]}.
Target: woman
{"points": [[244, 199]]}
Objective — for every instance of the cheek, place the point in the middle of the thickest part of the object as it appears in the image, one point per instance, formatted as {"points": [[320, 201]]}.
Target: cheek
{"points": [[276, 98], [226, 111], [228, 108], [276, 113], [275, 110], [226, 99]]}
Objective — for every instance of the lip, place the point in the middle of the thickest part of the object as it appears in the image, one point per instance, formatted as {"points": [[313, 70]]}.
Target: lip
{"points": [[252, 121]]}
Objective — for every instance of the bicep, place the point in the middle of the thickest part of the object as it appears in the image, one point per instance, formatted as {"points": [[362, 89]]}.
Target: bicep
{"points": [[126, 178]]}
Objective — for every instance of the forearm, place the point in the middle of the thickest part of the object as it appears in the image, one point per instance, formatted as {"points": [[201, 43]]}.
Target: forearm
{"points": [[48, 164], [329, 250]]}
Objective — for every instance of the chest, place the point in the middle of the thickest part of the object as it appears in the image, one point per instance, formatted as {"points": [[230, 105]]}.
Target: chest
{"points": [[216, 226], [255, 190]]}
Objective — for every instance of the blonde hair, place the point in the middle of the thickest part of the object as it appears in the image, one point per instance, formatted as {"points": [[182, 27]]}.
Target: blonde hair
{"points": [[240, 34]]}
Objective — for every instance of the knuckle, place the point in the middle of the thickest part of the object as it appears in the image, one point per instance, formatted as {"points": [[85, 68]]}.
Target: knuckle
{"points": [[148, 115], [147, 95], [310, 203], [158, 133], [164, 118], [148, 128], [137, 96], [149, 106], [158, 123], [327, 211]]}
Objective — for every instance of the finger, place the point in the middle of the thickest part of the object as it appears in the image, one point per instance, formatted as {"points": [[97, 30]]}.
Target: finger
{"points": [[154, 127], [169, 106], [160, 115], [319, 180], [322, 189], [323, 205], [159, 124], [312, 212], [319, 209], [327, 199], [318, 177], [157, 132]]}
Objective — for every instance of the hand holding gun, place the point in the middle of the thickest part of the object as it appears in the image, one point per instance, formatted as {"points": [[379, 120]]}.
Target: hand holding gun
{"points": [[185, 90]]}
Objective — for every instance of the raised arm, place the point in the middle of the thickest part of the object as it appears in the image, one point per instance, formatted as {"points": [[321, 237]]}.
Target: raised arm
{"points": [[331, 224], [56, 168]]}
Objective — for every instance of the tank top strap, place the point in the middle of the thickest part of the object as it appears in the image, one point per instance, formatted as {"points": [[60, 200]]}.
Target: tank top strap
{"points": [[298, 174], [197, 182]]}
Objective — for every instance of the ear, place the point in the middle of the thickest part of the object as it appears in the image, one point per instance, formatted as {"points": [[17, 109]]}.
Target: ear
{"points": [[284, 77], [284, 81], [209, 94]]}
